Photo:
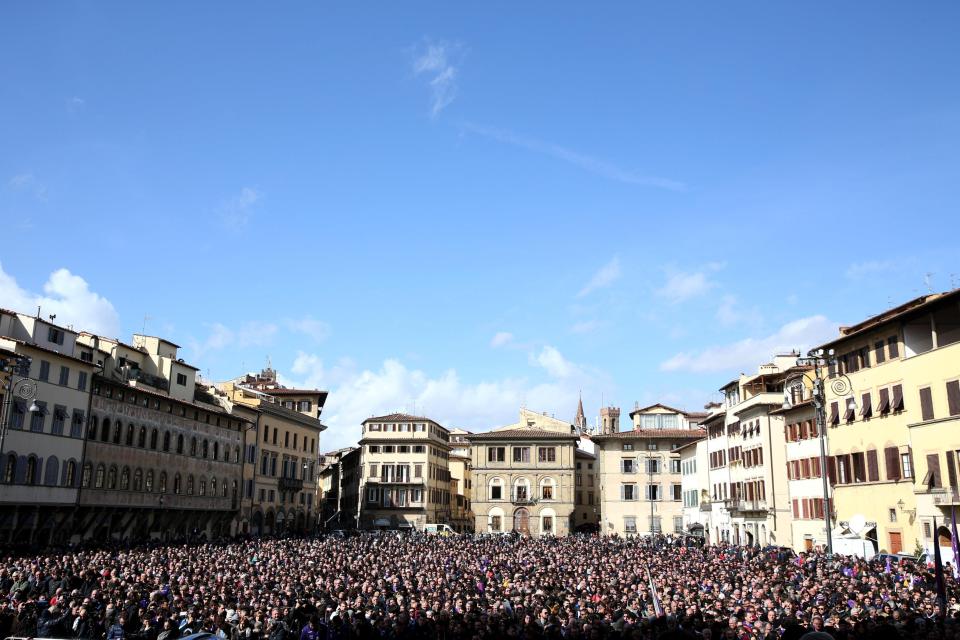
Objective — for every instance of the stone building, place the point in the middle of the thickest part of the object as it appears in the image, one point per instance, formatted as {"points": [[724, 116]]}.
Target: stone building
{"points": [[405, 473], [338, 482], [524, 476], [43, 427]]}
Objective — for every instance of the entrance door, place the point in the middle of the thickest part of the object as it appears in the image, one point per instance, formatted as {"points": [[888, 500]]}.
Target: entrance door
{"points": [[521, 521], [896, 544], [808, 544]]}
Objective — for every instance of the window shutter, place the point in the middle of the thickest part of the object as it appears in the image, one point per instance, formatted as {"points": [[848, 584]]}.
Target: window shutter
{"points": [[933, 468], [832, 469], [816, 467], [796, 509], [897, 397], [926, 404], [893, 347], [953, 397], [866, 410], [884, 406], [951, 469], [873, 467]]}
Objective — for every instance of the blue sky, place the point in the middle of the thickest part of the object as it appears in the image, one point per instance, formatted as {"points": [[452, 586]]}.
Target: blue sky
{"points": [[460, 210]]}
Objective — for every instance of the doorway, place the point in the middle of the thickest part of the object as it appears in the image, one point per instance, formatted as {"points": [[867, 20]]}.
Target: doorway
{"points": [[896, 542], [521, 521]]}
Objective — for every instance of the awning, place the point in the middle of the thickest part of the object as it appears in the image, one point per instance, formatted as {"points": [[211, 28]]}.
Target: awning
{"points": [[381, 522]]}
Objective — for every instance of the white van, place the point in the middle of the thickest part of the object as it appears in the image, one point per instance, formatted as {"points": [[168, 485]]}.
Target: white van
{"points": [[438, 529]]}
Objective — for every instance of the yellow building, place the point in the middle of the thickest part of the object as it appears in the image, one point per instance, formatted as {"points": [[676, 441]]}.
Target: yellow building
{"points": [[586, 509], [461, 481], [893, 436], [284, 446], [524, 476], [405, 473]]}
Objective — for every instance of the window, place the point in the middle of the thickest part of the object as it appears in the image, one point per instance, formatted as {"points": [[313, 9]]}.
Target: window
{"points": [[893, 347], [675, 466], [677, 492], [655, 524], [628, 446], [496, 489], [76, 427], [629, 524], [82, 380], [546, 454], [953, 397], [55, 335], [373, 494], [893, 515], [37, 418], [628, 492], [98, 481], [44, 371], [926, 404], [878, 352], [546, 489], [906, 465], [130, 431], [59, 419], [182, 379], [653, 492], [496, 523], [678, 524], [112, 478], [521, 454], [374, 471], [142, 438], [653, 465], [547, 526], [148, 484], [64, 376], [10, 469], [627, 465]]}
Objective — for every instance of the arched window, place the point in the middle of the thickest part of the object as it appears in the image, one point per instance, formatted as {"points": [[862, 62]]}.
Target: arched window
{"points": [[87, 472], [130, 431], [206, 449], [213, 486], [70, 479], [496, 489], [10, 468], [162, 487], [31, 476], [92, 428], [547, 488], [112, 478], [51, 474], [216, 450], [138, 480], [203, 487], [190, 485], [142, 440], [223, 489], [521, 490], [236, 455], [180, 443], [105, 430], [153, 439], [101, 472], [149, 482], [177, 488], [125, 479], [193, 446], [117, 427], [166, 441], [226, 453]]}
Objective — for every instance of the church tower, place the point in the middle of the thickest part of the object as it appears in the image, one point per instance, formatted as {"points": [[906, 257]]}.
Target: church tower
{"points": [[580, 422], [609, 420]]}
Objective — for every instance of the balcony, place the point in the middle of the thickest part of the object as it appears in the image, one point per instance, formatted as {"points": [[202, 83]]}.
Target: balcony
{"points": [[746, 507], [395, 481], [946, 497], [522, 499], [291, 484]]}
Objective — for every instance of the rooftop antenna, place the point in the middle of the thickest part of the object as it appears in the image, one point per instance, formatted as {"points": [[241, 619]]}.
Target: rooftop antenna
{"points": [[926, 281], [953, 284]]}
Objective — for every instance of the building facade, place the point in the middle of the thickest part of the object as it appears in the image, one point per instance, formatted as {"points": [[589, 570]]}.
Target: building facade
{"points": [[694, 480], [586, 503], [405, 473], [338, 481], [44, 423], [524, 476], [639, 472], [892, 431]]}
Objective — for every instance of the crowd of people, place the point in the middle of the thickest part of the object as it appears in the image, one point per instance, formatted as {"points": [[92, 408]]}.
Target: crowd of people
{"points": [[475, 587]]}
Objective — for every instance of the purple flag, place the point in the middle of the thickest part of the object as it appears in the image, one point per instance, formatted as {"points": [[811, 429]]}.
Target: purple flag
{"points": [[953, 541], [938, 571]]}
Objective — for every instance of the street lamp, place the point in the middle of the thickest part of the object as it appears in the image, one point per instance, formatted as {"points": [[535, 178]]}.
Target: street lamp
{"points": [[840, 385], [24, 389]]}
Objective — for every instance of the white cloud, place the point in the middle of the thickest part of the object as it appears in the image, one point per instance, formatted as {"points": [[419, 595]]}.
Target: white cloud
{"points": [[860, 270], [588, 163], [355, 395], [29, 183], [235, 213], [684, 285], [607, 275], [75, 104], [66, 295], [251, 334], [316, 330], [747, 354], [437, 62], [501, 339]]}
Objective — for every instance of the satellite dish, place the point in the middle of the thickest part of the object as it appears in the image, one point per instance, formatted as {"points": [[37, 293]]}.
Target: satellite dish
{"points": [[857, 523]]}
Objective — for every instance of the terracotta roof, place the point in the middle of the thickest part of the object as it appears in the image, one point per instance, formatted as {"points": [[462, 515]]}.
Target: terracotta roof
{"points": [[144, 335], [31, 345], [401, 417], [698, 414], [656, 433], [580, 453], [689, 444], [662, 406], [292, 392], [523, 434]]}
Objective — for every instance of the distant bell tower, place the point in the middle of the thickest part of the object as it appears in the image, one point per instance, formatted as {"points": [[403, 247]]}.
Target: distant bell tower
{"points": [[609, 420], [580, 422]]}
